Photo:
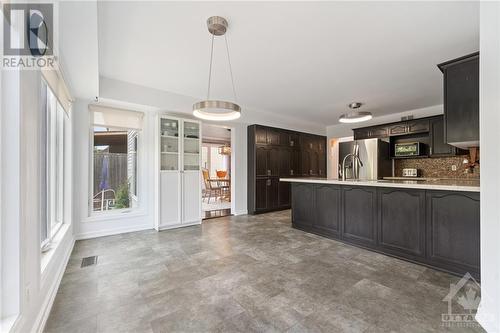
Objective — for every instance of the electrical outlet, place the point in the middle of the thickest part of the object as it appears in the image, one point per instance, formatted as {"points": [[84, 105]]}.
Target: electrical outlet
{"points": [[453, 167]]}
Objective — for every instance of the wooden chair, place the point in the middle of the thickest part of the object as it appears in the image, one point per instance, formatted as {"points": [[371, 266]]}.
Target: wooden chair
{"points": [[224, 185], [210, 191]]}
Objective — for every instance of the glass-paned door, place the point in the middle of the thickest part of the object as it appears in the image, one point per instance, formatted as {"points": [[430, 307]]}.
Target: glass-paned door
{"points": [[169, 145], [191, 146]]}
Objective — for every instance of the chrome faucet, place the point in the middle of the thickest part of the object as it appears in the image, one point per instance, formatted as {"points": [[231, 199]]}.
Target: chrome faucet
{"points": [[356, 163]]}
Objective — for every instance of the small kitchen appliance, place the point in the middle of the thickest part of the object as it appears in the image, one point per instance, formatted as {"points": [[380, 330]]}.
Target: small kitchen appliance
{"points": [[409, 149], [410, 172]]}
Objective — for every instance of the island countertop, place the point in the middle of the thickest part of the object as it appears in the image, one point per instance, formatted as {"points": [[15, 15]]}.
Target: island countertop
{"points": [[465, 185]]}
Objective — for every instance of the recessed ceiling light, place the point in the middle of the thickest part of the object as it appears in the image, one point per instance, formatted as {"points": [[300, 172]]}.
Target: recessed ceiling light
{"points": [[355, 116]]}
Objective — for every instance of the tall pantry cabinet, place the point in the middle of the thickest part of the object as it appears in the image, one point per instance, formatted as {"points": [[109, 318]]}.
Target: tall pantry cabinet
{"points": [[179, 164]]}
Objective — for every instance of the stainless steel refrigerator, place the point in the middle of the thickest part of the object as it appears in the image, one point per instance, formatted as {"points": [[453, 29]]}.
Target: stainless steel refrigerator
{"points": [[374, 159]]}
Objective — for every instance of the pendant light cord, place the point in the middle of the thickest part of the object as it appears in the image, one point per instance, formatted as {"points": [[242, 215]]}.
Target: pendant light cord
{"points": [[230, 68], [210, 68]]}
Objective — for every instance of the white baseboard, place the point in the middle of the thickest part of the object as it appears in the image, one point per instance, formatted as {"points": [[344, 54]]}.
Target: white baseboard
{"points": [[51, 295], [111, 232], [241, 212], [179, 225]]}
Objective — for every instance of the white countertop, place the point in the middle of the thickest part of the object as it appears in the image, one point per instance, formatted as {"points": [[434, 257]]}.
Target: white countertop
{"points": [[441, 184]]}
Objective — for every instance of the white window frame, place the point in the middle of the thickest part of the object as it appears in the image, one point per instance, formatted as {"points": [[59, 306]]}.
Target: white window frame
{"points": [[55, 155], [111, 212]]}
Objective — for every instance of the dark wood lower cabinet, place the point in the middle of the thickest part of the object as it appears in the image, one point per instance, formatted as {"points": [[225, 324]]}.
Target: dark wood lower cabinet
{"points": [[359, 215], [284, 194], [401, 221], [303, 205], [453, 230], [435, 228], [327, 200]]}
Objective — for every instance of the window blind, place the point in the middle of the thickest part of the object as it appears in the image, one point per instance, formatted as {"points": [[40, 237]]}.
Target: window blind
{"points": [[55, 81], [106, 116]]}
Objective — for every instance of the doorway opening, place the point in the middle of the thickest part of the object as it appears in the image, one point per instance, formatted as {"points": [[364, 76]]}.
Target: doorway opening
{"points": [[216, 171]]}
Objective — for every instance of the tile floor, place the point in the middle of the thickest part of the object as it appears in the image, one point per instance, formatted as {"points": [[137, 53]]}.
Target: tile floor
{"points": [[244, 274]]}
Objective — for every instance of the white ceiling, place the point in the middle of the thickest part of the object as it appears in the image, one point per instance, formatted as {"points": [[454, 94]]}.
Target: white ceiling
{"points": [[301, 59]]}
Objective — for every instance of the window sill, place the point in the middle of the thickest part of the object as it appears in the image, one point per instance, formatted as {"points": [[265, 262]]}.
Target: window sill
{"points": [[7, 323], [115, 215], [55, 242]]}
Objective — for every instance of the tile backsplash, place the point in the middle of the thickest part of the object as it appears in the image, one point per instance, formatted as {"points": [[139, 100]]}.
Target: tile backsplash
{"points": [[436, 167]]}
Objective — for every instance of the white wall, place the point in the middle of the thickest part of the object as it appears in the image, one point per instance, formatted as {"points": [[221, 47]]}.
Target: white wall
{"points": [[489, 310], [33, 292]]}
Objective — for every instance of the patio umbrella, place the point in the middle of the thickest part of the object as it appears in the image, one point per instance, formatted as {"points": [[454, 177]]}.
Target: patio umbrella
{"points": [[104, 185]]}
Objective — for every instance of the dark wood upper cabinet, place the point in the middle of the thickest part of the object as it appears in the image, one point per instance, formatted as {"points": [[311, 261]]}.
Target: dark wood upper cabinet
{"points": [[285, 160], [274, 153], [393, 129], [371, 132], [273, 137], [379, 132], [362, 133], [260, 135], [438, 146], [261, 161], [461, 101], [397, 129], [417, 126], [295, 163]]}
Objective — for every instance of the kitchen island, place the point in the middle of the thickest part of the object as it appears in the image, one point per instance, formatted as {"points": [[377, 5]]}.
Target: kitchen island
{"points": [[434, 223]]}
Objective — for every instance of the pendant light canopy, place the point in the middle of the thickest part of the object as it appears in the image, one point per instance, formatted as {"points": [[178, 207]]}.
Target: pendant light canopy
{"points": [[355, 116], [210, 109]]}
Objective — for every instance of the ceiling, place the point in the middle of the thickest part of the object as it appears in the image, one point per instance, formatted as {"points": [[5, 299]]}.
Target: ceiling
{"points": [[306, 60]]}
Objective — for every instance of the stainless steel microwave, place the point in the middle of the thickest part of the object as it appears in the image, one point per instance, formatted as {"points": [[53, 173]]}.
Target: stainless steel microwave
{"points": [[409, 149]]}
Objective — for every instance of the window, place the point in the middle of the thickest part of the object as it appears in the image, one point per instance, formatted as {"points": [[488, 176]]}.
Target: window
{"points": [[53, 168], [115, 150]]}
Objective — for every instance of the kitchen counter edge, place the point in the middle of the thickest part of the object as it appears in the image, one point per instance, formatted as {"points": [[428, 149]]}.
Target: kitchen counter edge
{"points": [[441, 185]]}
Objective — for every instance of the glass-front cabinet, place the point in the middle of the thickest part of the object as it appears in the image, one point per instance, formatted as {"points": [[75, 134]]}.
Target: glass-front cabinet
{"points": [[169, 144], [191, 138], [171, 132], [180, 177]]}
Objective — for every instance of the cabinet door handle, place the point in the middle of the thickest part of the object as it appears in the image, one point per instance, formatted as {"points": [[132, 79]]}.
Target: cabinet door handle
{"points": [[268, 172], [291, 171], [268, 183]]}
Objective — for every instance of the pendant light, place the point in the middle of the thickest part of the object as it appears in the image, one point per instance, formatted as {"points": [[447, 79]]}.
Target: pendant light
{"points": [[355, 116], [225, 150], [210, 109]]}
